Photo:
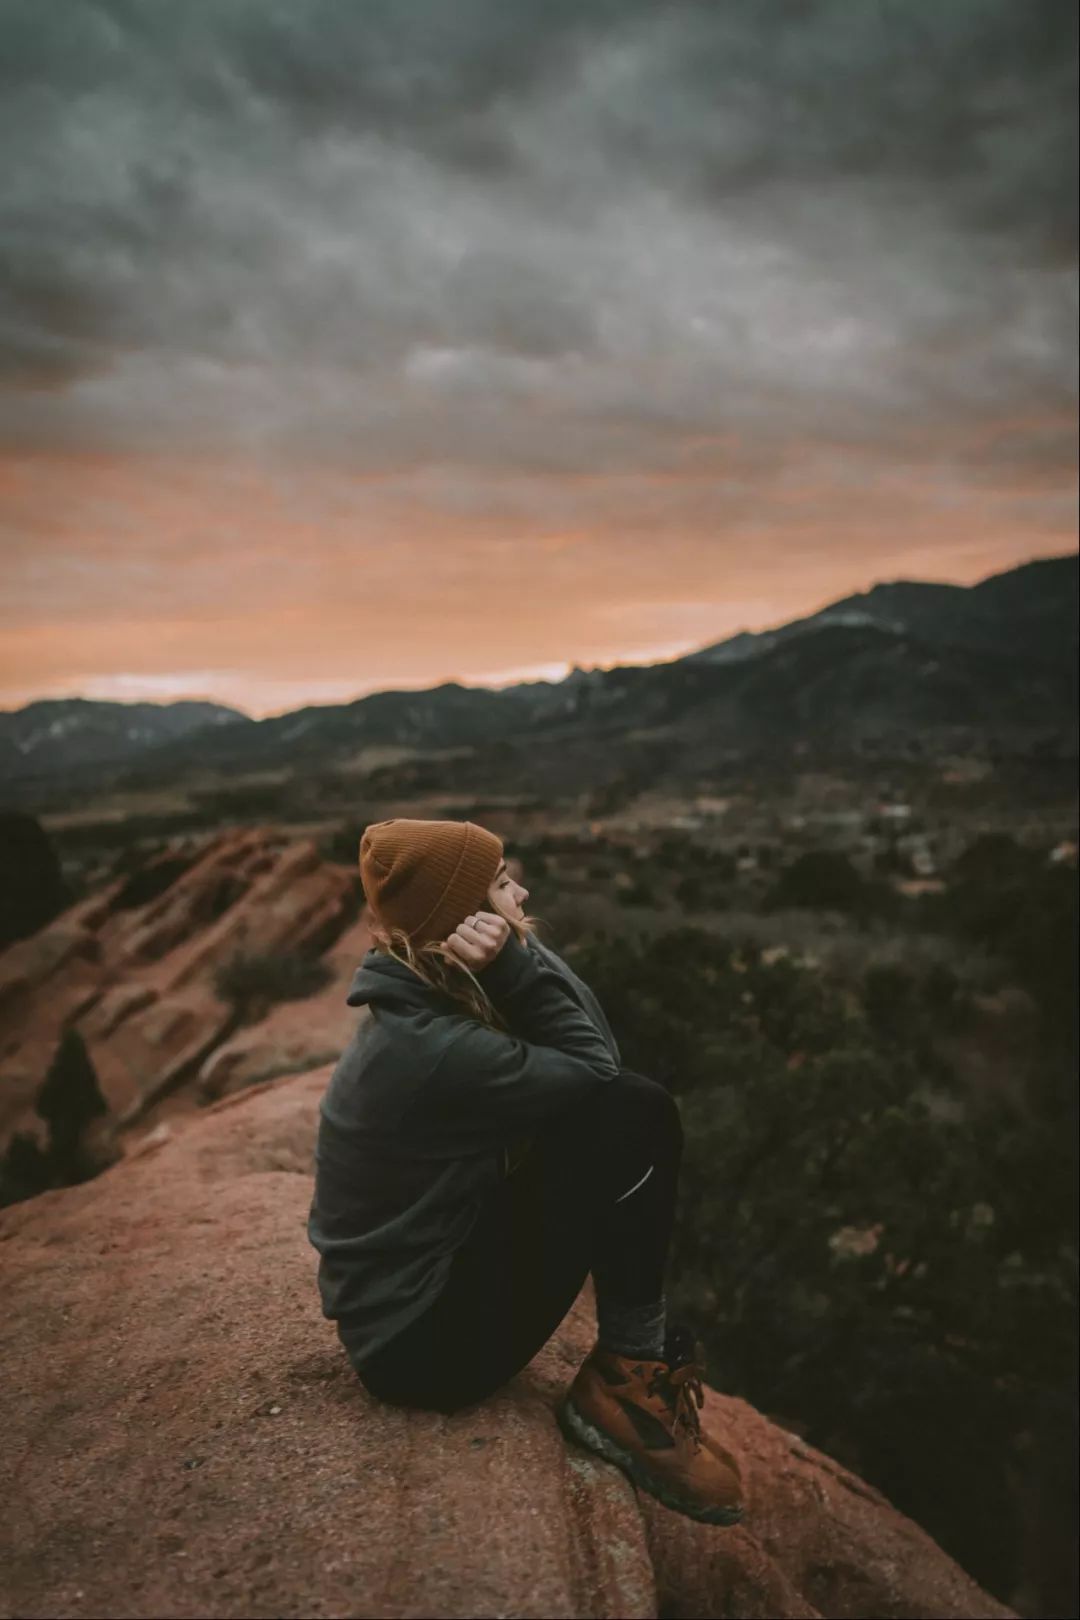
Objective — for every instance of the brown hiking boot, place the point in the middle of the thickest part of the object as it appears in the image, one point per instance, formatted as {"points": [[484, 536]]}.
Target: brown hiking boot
{"points": [[643, 1416]]}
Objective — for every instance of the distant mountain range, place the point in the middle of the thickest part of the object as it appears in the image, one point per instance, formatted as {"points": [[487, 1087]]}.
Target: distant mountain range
{"points": [[905, 668], [1033, 607], [56, 735]]}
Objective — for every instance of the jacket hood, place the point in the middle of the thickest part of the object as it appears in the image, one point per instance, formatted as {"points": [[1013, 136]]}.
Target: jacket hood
{"points": [[380, 978]]}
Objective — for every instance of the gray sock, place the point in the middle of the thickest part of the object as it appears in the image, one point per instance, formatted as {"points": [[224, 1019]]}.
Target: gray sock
{"points": [[631, 1330]]}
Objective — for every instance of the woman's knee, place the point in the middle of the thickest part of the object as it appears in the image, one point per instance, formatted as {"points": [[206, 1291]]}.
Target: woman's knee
{"points": [[637, 1103], [657, 1102]]}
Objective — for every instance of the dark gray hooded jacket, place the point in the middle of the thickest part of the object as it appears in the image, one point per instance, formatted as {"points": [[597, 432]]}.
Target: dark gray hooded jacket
{"points": [[417, 1122]]}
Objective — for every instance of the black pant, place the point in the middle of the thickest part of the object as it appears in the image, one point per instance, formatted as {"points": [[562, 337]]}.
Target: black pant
{"points": [[595, 1193]]}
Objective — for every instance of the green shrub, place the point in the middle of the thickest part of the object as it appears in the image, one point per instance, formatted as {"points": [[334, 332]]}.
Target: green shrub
{"points": [[688, 893], [638, 893], [1009, 900], [342, 843], [254, 980], [899, 1280], [823, 880], [67, 1100]]}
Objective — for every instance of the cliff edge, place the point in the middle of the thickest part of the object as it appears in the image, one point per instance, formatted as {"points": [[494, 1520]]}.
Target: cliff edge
{"points": [[186, 1438]]}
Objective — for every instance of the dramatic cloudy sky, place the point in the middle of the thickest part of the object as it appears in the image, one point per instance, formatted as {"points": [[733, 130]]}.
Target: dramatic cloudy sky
{"points": [[348, 344]]}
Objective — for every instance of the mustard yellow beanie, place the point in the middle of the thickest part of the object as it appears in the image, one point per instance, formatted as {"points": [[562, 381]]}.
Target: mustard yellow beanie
{"points": [[426, 876]]}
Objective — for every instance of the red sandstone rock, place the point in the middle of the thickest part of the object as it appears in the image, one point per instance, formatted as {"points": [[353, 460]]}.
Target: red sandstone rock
{"points": [[137, 980], [185, 1437], [294, 1035]]}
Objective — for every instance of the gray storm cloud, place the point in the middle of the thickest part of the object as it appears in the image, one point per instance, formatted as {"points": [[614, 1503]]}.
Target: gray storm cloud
{"points": [[531, 239]]}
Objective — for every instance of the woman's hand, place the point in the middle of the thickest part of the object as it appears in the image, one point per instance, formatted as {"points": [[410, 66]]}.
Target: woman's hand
{"points": [[478, 940]]}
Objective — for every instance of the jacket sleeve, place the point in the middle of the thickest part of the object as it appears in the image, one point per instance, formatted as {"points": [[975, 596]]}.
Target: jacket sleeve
{"points": [[583, 994], [488, 1087]]}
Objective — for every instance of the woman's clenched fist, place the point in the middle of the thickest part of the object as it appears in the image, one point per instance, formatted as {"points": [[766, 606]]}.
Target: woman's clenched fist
{"points": [[478, 940]]}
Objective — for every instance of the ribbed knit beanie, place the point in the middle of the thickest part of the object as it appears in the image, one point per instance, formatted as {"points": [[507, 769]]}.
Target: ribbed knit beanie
{"points": [[426, 876]]}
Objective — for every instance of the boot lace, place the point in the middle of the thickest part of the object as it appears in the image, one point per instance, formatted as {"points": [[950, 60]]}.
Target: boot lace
{"points": [[681, 1389]]}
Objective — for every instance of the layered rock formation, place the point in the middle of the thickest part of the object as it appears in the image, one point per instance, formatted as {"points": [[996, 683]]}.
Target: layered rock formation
{"points": [[185, 1437], [133, 968]]}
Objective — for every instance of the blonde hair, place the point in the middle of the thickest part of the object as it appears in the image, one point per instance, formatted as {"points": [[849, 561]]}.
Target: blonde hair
{"points": [[445, 973]]}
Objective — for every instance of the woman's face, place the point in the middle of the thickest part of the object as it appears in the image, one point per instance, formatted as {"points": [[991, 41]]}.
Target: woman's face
{"points": [[507, 894]]}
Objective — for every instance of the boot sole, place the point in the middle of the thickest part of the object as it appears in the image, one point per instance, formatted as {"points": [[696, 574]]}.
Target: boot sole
{"points": [[575, 1427]]}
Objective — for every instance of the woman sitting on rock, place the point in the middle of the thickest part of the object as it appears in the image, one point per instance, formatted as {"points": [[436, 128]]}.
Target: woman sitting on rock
{"points": [[480, 1150]]}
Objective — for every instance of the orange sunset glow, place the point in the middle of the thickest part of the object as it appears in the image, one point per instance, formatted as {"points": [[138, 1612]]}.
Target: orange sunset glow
{"points": [[308, 397]]}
